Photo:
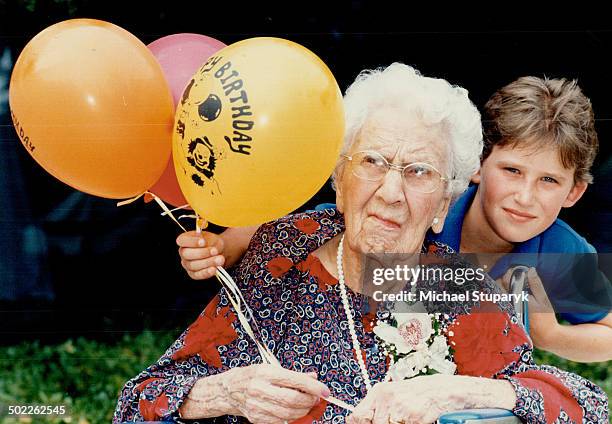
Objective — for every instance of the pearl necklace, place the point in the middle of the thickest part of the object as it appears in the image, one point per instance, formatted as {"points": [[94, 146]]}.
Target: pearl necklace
{"points": [[349, 316]]}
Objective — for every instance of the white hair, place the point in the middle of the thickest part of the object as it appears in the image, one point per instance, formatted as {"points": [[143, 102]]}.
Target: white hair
{"points": [[435, 102]]}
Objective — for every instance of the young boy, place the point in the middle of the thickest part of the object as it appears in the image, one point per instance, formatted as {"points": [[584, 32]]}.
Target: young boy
{"points": [[540, 143]]}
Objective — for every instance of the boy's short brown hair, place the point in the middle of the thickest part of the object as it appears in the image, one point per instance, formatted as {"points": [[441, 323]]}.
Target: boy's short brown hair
{"points": [[544, 112]]}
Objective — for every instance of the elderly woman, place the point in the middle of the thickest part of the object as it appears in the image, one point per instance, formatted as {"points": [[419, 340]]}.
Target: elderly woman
{"points": [[411, 145]]}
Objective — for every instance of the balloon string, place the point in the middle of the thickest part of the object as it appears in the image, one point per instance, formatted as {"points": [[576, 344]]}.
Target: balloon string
{"points": [[176, 209], [237, 300], [166, 210], [132, 200], [201, 224], [157, 200]]}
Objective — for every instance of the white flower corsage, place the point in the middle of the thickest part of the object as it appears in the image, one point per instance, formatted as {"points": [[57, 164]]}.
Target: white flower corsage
{"points": [[415, 345]]}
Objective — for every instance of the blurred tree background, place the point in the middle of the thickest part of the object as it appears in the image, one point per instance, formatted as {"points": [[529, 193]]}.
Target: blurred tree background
{"points": [[91, 293]]}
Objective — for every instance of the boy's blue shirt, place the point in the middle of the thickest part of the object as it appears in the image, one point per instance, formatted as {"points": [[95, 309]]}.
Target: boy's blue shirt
{"points": [[559, 239]]}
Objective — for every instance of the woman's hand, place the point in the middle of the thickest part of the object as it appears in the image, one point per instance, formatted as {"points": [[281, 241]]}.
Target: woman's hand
{"points": [[423, 399], [201, 254], [417, 400], [269, 394], [261, 393]]}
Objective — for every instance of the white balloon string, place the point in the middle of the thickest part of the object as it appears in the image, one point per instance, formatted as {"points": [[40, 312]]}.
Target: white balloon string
{"points": [[157, 200], [178, 208], [235, 297], [199, 222], [340, 403], [132, 200], [166, 210]]}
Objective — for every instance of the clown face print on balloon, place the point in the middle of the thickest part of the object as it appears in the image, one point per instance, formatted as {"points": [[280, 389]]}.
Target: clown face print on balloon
{"points": [[202, 158], [199, 151]]}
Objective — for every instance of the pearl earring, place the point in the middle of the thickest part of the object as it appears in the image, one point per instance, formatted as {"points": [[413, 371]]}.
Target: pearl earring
{"points": [[435, 221]]}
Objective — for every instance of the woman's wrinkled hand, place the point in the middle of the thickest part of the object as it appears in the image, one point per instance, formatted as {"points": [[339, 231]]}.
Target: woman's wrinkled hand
{"points": [[424, 398], [269, 394], [201, 253], [417, 400]]}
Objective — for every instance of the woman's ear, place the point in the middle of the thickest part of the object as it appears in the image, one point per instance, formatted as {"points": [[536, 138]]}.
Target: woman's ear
{"points": [[438, 222], [339, 197], [575, 194], [475, 178], [338, 177]]}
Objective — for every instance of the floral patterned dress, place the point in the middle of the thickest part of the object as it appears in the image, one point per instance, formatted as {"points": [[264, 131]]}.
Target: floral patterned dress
{"points": [[299, 313]]}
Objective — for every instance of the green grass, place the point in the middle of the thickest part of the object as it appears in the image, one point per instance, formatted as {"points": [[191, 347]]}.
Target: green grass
{"points": [[82, 374], [87, 375]]}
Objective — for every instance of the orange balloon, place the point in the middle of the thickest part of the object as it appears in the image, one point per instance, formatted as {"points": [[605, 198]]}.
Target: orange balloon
{"points": [[91, 105]]}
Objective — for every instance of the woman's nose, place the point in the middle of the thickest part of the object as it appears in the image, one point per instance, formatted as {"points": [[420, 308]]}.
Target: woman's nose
{"points": [[391, 189]]}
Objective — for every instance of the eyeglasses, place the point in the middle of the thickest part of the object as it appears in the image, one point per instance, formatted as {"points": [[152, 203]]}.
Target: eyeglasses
{"points": [[372, 166]]}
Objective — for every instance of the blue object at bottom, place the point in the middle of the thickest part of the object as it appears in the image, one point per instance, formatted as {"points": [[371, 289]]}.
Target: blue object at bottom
{"points": [[480, 416]]}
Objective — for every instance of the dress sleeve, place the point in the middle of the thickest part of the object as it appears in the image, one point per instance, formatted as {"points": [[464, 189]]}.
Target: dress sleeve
{"points": [[489, 342], [214, 343]]}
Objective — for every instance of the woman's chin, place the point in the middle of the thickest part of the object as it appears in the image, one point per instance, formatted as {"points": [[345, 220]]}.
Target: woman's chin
{"points": [[378, 245]]}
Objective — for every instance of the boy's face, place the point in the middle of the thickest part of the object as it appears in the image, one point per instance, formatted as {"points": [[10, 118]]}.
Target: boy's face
{"points": [[522, 191]]}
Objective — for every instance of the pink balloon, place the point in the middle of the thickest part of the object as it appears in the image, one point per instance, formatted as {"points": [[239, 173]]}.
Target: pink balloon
{"points": [[180, 56]]}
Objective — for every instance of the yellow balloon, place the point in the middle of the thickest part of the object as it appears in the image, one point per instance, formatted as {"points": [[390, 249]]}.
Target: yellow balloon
{"points": [[258, 132]]}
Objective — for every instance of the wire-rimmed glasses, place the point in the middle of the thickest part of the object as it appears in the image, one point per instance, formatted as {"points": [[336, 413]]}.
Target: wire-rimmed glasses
{"points": [[419, 176]]}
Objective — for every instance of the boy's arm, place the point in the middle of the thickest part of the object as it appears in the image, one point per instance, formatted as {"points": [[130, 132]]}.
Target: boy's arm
{"points": [[236, 241], [588, 342]]}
